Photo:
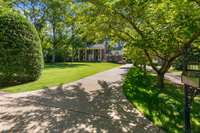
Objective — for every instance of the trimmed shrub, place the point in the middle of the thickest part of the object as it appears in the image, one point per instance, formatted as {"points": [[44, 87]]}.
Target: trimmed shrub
{"points": [[137, 77], [21, 57]]}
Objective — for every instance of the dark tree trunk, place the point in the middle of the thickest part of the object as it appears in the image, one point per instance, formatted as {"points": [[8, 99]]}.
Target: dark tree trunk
{"points": [[53, 60], [160, 80], [165, 66], [72, 55], [144, 69]]}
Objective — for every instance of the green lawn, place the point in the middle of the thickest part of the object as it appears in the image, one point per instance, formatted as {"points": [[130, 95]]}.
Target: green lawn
{"points": [[60, 73], [163, 107]]}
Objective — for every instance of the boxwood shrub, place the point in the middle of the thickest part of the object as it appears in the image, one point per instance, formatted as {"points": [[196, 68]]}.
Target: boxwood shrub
{"points": [[21, 57]]}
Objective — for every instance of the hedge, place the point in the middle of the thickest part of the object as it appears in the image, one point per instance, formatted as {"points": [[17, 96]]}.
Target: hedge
{"points": [[21, 58]]}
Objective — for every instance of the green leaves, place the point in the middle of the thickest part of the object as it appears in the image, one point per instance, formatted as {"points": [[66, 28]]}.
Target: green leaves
{"points": [[21, 57], [164, 23]]}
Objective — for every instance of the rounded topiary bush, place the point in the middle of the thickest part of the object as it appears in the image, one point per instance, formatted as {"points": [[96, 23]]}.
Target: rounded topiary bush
{"points": [[20, 50]]}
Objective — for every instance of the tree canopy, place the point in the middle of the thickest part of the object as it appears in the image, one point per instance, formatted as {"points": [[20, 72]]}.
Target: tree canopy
{"points": [[162, 29]]}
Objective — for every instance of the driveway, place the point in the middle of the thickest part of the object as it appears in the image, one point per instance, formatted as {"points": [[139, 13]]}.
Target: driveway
{"points": [[94, 104]]}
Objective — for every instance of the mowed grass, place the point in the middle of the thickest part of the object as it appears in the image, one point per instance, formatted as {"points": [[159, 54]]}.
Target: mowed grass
{"points": [[61, 73]]}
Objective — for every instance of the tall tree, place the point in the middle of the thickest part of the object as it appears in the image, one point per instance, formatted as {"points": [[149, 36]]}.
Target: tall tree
{"points": [[51, 19], [34, 10], [56, 14], [162, 29]]}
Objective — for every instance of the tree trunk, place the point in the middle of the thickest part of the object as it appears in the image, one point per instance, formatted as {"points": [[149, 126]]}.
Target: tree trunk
{"points": [[72, 55], [160, 80], [145, 69], [54, 42], [53, 60], [165, 66]]}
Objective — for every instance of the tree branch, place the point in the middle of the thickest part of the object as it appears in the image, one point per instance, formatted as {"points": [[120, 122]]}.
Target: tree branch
{"points": [[186, 45], [158, 55], [150, 60], [131, 23], [123, 32]]}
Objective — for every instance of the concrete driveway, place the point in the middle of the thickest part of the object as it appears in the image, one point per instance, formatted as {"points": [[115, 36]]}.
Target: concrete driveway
{"points": [[94, 104]]}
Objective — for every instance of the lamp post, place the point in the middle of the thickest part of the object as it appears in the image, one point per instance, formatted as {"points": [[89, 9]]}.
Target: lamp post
{"points": [[191, 80]]}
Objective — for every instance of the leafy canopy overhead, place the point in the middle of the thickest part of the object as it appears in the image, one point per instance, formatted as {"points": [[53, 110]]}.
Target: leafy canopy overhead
{"points": [[161, 28], [153, 24]]}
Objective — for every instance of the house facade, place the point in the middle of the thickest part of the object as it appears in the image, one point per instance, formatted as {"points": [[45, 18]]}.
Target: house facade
{"points": [[101, 52]]}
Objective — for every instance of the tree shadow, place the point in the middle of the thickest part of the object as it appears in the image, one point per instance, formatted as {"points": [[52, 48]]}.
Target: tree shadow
{"points": [[163, 107], [73, 109]]}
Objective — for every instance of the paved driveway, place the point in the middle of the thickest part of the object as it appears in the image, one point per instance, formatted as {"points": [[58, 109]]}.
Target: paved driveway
{"points": [[91, 105]]}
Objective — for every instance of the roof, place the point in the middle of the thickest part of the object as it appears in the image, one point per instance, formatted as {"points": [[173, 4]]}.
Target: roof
{"points": [[118, 46], [97, 46]]}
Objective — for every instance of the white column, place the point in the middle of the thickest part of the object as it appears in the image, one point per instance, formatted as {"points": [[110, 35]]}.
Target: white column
{"points": [[100, 54], [93, 53]]}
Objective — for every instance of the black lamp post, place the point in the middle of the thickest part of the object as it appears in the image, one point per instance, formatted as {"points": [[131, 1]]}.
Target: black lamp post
{"points": [[191, 80]]}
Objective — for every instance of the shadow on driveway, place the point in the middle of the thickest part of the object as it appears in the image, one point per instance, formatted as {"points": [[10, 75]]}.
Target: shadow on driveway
{"points": [[72, 109]]}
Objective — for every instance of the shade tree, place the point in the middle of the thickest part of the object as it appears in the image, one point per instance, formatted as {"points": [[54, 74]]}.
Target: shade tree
{"points": [[54, 23], [136, 56], [162, 29]]}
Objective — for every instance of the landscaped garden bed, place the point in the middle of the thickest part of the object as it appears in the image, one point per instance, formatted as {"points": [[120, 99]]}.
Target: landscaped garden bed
{"points": [[163, 107]]}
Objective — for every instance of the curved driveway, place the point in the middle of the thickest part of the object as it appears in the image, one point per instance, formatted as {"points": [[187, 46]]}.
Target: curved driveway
{"points": [[94, 104]]}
